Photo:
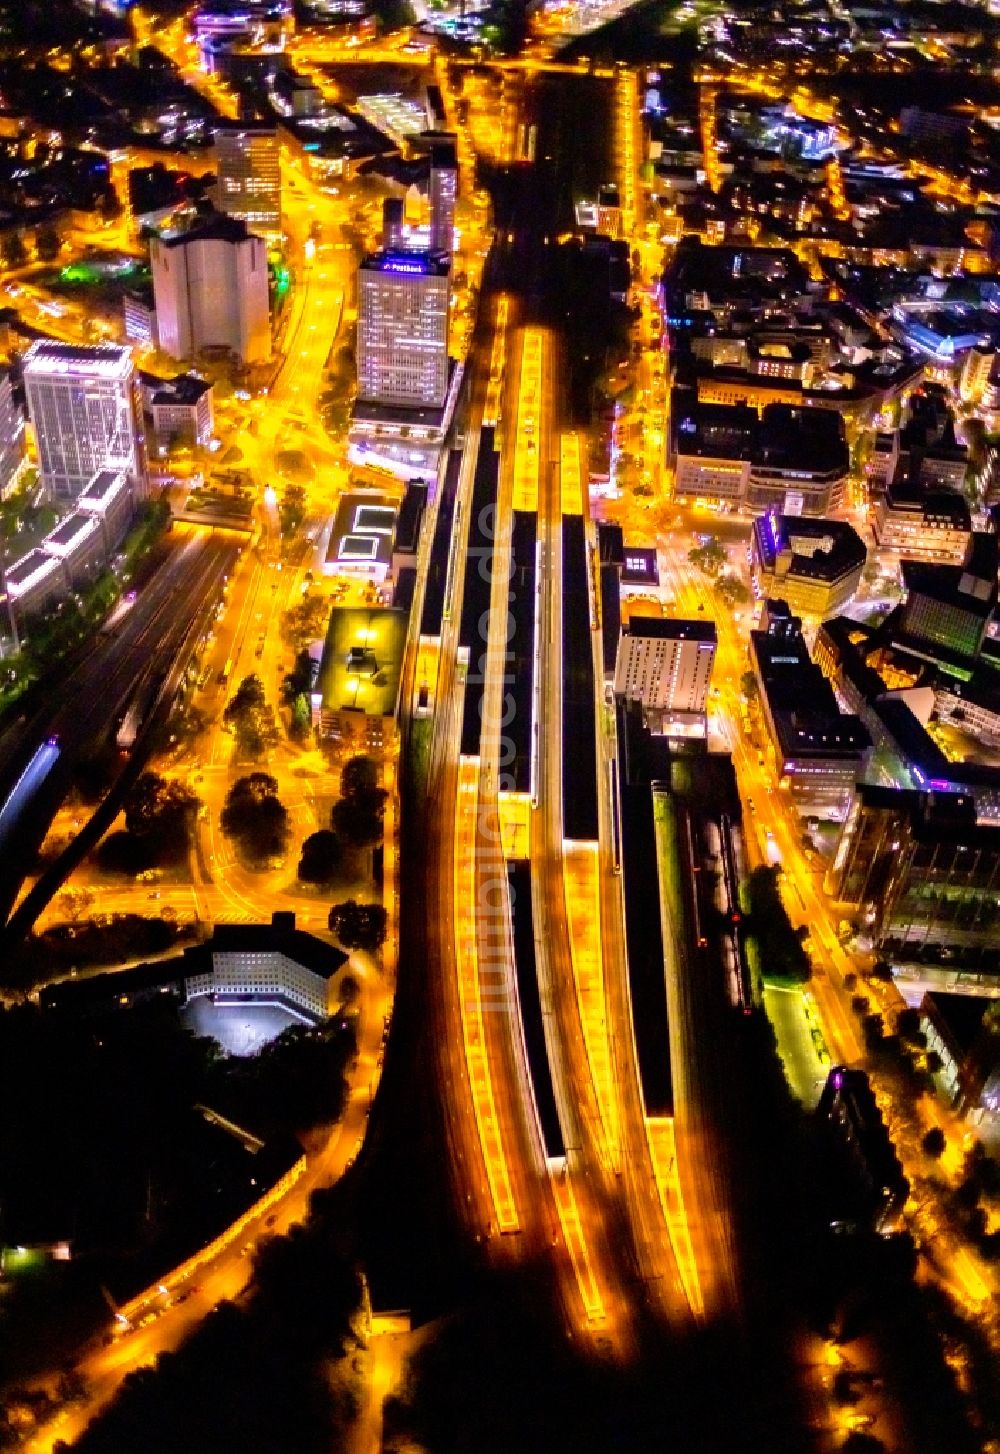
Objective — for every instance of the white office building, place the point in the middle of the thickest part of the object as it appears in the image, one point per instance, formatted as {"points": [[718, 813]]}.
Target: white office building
{"points": [[211, 290], [248, 162], [665, 665], [261, 962], [403, 310], [83, 407]]}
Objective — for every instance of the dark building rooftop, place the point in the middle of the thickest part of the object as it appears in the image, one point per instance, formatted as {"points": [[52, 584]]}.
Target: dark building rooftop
{"points": [[961, 1016], [216, 228], [823, 550], [669, 630], [280, 936], [182, 389], [807, 440]]}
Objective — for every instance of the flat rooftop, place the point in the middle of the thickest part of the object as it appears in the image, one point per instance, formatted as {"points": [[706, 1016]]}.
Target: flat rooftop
{"points": [[29, 571], [362, 660], [70, 531], [103, 488], [100, 360], [665, 629], [821, 550]]}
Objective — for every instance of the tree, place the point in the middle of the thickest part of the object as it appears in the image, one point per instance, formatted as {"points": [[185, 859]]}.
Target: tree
{"points": [[322, 855], [250, 718], [748, 686], [709, 557], [48, 243], [732, 591], [255, 817], [873, 1031], [301, 717], [299, 680], [358, 926], [358, 819], [934, 1142], [778, 944], [307, 621], [292, 510], [13, 251], [358, 775], [249, 694], [161, 813]]}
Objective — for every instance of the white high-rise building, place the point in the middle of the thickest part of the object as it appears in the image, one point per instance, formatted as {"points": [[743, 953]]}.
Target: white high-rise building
{"points": [[403, 308], [84, 410], [665, 665], [248, 162], [211, 291], [11, 438]]}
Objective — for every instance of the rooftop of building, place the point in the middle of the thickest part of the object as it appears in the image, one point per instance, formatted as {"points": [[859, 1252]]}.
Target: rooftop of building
{"points": [[935, 814], [402, 263], [913, 742], [251, 128], [101, 360], [809, 440], [182, 389], [610, 543], [960, 1016], [660, 629], [363, 528], [35, 564], [216, 228], [70, 529], [950, 585], [734, 269], [945, 506], [362, 660], [411, 513], [821, 550], [800, 699], [279, 937], [103, 485], [720, 431]]}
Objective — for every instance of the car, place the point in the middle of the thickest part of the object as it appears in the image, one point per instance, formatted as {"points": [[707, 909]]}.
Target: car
{"points": [[750, 805]]}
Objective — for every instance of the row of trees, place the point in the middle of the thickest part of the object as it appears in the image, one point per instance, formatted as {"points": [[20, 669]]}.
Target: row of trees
{"points": [[780, 948], [48, 245], [254, 816], [710, 558], [356, 823]]}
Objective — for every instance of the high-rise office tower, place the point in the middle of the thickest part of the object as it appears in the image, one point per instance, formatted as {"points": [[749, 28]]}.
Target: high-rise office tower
{"points": [[443, 192], [403, 308], [211, 291], [11, 437], [249, 174], [84, 409]]}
